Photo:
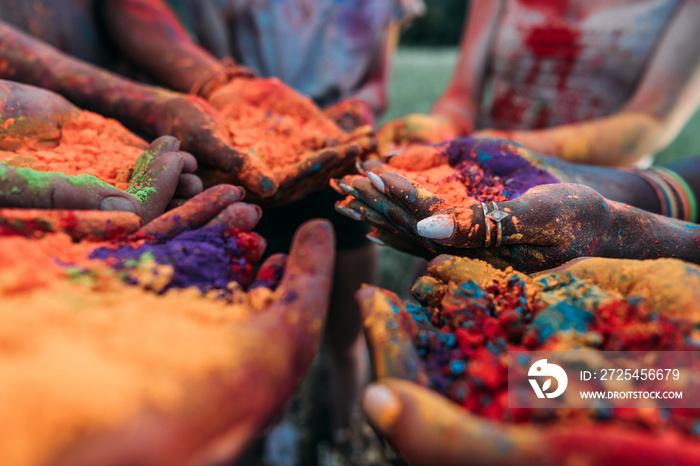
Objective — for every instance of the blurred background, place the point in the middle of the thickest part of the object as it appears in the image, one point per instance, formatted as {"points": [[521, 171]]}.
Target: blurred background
{"points": [[426, 56]]}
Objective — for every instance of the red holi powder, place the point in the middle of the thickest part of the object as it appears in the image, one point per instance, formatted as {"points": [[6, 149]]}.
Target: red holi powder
{"points": [[475, 326]]}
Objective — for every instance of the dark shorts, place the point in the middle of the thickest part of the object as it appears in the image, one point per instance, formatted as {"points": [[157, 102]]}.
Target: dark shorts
{"points": [[278, 224]]}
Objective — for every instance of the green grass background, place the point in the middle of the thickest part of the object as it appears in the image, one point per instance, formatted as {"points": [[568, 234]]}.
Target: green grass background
{"points": [[419, 75]]}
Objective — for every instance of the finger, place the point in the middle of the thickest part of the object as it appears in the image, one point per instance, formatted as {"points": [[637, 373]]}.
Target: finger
{"points": [[371, 165], [240, 216], [387, 233], [316, 169], [193, 214], [363, 190], [461, 227], [245, 169], [417, 158], [304, 293], [388, 329], [408, 194], [188, 185], [190, 162], [448, 268], [92, 225], [155, 181], [429, 429], [27, 188], [270, 272]]}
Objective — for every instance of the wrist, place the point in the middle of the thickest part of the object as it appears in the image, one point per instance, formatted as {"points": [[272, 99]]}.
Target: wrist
{"points": [[456, 115], [220, 74], [674, 197]]}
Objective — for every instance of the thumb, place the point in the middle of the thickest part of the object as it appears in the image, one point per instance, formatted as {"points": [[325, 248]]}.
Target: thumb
{"points": [[428, 429]]}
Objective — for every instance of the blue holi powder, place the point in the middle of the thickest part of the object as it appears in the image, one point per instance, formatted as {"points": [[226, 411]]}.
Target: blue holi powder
{"points": [[561, 316], [457, 367], [202, 258]]}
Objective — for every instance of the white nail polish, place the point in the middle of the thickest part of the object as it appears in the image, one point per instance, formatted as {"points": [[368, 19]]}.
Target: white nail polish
{"points": [[441, 226], [375, 240], [346, 189], [376, 181], [358, 165]]}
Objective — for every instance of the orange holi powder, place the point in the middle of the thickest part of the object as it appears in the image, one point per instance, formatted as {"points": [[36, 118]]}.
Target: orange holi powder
{"points": [[444, 181], [263, 123], [82, 353], [90, 144]]}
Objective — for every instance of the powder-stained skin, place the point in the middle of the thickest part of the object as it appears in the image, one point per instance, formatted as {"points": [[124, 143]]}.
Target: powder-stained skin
{"points": [[470, 315]]}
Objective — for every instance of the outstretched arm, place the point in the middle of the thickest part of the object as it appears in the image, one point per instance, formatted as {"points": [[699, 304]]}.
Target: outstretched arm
{"points": [[149, 34], [148, 109], [460, 101], [455, 111], [665, 98]]}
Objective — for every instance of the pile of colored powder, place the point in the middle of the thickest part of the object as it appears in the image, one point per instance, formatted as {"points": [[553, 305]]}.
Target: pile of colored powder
{"points": [[83, 356], [208, 258], [90, 144], [461, 171], [465, 328], [280, 134]]}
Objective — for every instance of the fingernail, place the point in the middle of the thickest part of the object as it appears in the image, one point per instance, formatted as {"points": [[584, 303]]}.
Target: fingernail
{"points": [[382, 407], [375, 240], [440, 226], [358, 165], [346, 189], [117, 203], [376, 181], [348, 212]]}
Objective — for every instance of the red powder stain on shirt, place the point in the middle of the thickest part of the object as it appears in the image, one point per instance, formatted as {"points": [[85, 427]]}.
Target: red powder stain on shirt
{"points": [[555, 43], [90, 144]]}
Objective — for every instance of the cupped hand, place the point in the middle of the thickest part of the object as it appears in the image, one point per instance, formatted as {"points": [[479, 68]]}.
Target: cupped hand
{"points": [[202, 131], [416, 128], [313, 169], [162, 176], [396, 206], [227, 410], [427, 428]]}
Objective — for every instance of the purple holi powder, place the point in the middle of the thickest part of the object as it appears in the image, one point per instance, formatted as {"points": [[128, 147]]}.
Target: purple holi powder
{"points": [[201, 258], [479, 161]]}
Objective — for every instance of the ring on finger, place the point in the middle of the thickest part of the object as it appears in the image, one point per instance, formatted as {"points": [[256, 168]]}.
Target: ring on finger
{"points": [[492, 212]]}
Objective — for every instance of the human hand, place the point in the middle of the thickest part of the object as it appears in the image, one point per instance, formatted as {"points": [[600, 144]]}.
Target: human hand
{"points": [[547, 226], [484, 170], [351, 114], [161, 173], [427, 428], [320, 151], [533, 140], [203, 132], [32, 117], [415, 128], [203, 426]]}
